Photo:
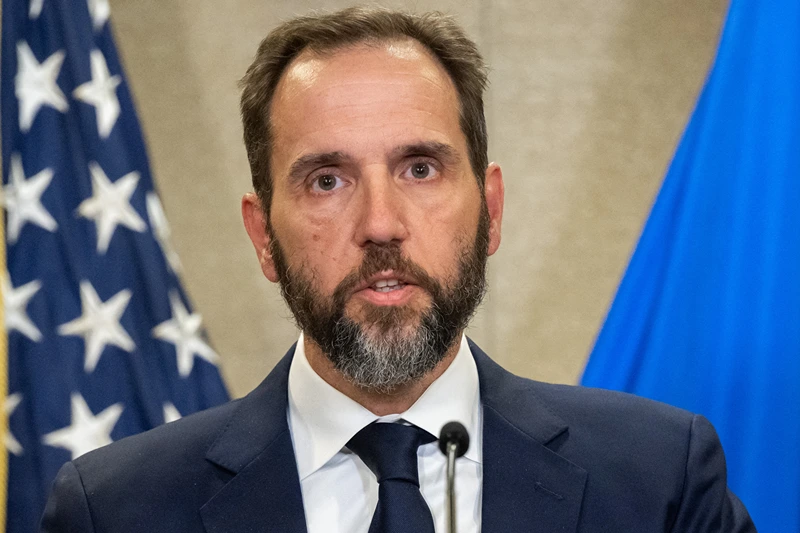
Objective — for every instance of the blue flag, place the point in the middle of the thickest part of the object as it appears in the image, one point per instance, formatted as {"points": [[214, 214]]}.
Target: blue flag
{"points": [[102, 342], [707, 316]]}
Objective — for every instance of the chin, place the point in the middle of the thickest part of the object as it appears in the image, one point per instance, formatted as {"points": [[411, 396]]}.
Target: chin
{"points": [[389, 321]]}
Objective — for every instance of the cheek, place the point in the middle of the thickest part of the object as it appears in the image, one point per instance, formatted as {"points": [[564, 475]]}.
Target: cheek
{"points": [[445, 233], [455, 215], [320, 249], [301, 242], [300, 229]]}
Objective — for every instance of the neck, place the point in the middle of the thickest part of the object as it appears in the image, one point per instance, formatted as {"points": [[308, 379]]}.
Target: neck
{"points": [[397, 401]]}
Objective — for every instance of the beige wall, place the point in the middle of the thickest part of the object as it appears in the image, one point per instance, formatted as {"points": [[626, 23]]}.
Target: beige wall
{"points": [[588, 99]]}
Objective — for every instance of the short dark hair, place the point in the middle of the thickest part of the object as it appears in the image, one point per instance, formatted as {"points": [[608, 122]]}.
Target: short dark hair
{"points": [[326, 32]]}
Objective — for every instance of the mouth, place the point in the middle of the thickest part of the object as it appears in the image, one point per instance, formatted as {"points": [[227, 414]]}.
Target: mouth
{"points": [[386, 288], [388, 285]]}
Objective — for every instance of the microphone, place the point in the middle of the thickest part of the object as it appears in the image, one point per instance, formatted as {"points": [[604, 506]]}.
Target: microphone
{"points": [[453, 442]]}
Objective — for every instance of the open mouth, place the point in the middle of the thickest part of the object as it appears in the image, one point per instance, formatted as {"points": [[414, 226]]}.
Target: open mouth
{"points": [[387, 288], [387, 285]]}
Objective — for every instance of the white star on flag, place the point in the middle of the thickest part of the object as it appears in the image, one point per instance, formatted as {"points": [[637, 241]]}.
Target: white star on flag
{"points": [[183, 330], [101, 92], [86, 431], [171, 413], [23, 199], [12, 444], [100, 11], [16, 303], [35, 9], [99, 324], [110, 205], [35, 84], [161, 231]]}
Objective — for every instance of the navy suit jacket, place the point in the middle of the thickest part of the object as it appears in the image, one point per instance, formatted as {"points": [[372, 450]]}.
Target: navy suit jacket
{"points": [[556, 458]]}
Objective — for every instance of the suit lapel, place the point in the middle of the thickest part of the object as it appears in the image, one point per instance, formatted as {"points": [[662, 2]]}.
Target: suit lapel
{"points": [[527, 487], [264, 493]]}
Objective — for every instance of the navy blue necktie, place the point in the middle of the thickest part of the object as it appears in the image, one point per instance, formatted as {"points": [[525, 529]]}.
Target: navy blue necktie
{"points": [[390, 451]]}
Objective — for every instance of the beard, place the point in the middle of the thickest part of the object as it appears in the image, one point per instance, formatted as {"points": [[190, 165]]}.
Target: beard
{"points": [[389, 346]]}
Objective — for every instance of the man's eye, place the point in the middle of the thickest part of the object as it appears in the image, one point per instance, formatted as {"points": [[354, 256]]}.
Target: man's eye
{"points": [[326, 182], [421, 170]]}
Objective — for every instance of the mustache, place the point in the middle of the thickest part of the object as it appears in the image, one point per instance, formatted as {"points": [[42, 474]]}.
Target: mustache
{"points": [[378, 258]]}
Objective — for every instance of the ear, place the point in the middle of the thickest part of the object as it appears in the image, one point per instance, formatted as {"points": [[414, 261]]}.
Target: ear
{"points": [[256, 226], [495, 194]]}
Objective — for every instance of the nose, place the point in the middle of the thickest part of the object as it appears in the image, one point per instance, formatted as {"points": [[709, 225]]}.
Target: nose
{"points": [[382, 210]]}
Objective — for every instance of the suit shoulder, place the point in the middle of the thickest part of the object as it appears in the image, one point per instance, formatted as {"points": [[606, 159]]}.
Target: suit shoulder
{"points": [[615, 428], [517, 399], [599, 415], [575, 401]]}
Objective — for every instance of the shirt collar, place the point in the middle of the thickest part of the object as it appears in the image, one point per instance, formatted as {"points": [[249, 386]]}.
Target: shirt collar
{"points": [[322, 419]]}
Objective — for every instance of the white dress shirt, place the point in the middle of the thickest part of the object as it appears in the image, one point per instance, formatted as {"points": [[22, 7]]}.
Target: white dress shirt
{"points": [[340, 493]]}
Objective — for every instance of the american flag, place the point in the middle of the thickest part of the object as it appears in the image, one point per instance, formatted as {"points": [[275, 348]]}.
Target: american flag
{"points": [[102, 342]]}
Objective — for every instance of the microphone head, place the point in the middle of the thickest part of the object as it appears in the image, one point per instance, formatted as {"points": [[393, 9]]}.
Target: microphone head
{"points": [[454, 432]]}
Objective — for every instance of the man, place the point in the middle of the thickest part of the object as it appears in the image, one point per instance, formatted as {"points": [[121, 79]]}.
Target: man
{"points": [[375, 208]]}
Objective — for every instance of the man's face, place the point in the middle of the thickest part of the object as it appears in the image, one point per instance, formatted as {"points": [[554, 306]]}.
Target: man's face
{"points": [[378, 231]]}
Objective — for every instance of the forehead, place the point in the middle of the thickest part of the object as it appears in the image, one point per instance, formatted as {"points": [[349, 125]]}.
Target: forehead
{"points": [[374, 91], [405, 55]]}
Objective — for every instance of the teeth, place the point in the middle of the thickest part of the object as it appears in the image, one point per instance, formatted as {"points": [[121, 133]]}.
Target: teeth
{"points": [[387, 289], [387, 285]]}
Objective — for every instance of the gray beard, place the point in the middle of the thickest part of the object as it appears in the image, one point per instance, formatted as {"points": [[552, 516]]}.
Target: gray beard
{"points": [[386, 352], [384, 362]]}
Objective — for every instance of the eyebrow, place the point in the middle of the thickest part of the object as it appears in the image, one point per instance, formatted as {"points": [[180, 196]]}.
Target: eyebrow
{"points": [[444, 152], [303, 164]]}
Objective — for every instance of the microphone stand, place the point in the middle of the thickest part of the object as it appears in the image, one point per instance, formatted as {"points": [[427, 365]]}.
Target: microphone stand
{"points": [[453, 442], [452, 447]]}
